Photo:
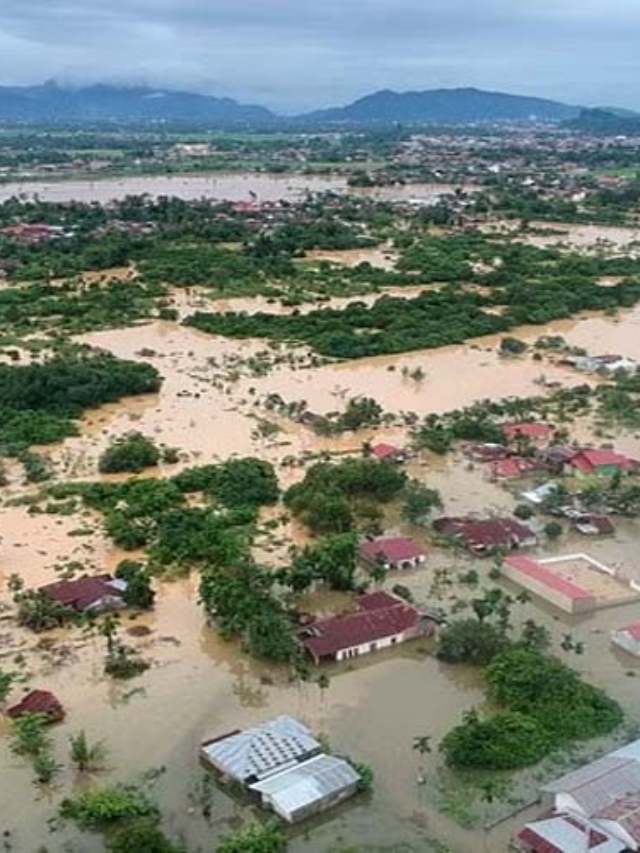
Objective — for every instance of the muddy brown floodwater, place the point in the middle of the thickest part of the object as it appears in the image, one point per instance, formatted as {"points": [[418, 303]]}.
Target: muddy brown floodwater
{"points": [[223, 186], [198, 685]]}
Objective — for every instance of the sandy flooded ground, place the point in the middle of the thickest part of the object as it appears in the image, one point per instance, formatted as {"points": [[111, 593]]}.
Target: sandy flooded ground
{"points": [[199, 686], [606, 238]]}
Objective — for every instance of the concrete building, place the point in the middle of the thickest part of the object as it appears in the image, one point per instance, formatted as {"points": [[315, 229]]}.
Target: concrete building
{"points": [[483, 537], [88, 594], [536, 577], [283, 764]]}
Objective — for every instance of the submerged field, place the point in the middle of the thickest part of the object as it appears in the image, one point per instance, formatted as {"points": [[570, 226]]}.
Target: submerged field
{"points": [[216, 401]]}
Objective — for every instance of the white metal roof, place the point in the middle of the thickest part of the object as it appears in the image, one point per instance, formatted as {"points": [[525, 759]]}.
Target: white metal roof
{"points": [[571, 837], [308, 783], [262, 750]]}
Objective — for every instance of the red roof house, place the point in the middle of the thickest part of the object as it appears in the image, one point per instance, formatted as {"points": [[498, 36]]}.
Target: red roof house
{"points": [[484, 537], [602, 462], [388, 453], [594, 525], [87, 593], [381, 620], [38, 702], [393, 553], [514, 467]]}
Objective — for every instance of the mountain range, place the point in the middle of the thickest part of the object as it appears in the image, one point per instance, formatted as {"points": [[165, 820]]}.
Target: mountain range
{"points": [[98, 104]]}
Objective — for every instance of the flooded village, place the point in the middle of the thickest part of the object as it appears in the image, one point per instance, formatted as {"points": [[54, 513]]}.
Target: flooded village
{"points": [[320, 509]]}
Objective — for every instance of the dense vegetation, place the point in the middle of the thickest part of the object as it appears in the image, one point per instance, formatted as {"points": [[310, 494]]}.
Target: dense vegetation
{"points": [[39, 402], [335, 498], [534, 692], [529, 285]]}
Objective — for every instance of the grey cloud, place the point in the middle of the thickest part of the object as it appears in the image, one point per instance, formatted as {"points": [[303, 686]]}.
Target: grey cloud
{"points": [[298, 53]]}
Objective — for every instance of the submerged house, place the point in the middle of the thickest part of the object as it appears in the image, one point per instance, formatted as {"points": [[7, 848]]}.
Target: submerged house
{"points": [[38, 702], [484, 537], [388, 453], [381, 620], [595, 808], [393, 553], [88, 594], [282, 762], [530, 430]]}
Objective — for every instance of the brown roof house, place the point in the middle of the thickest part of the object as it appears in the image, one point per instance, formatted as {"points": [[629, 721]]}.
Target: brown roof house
{"points": [[381, 620], [484, 537], [88, 594], [38, 702]]}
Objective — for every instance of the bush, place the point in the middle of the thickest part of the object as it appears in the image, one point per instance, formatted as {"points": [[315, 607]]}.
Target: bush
{"points": [[470, 641], [544, 688], [255, 839], [523, 512], [500, 742], [143, 836], [131, 453], [104, 807], [553, 530]]}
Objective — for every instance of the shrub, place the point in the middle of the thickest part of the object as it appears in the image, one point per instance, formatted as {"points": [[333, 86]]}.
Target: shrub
{"points": [[255, 839], [104, 807], [500, 742], [470, 641], [131, 453], [143, 836]]}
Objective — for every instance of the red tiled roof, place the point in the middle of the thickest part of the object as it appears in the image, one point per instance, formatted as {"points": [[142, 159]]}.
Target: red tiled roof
{"points": [[80, 593], [393, 550], [38, 702], [385, 451], [528, 430], [378, 600], [329, 636], [538, 572]]}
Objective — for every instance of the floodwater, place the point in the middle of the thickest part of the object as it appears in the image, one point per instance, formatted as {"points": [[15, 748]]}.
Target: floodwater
{"points": [[219, 186], [210, 407]]}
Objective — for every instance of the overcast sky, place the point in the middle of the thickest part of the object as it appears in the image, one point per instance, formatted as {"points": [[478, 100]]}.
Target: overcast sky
{"points": [[294, 54]]}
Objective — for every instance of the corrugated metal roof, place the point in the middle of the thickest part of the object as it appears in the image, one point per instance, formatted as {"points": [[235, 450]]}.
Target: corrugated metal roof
{"points": [[307, 784], [262, 750], [599, 785], [561, 834]]}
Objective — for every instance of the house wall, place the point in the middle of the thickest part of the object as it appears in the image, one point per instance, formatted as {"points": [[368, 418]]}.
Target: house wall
{"points": [[310, 809], [368, 648]]}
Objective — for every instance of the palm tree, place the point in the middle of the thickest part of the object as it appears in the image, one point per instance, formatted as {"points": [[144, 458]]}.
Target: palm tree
{"points": [[108, 629], [86, 756], [422, 745]]}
